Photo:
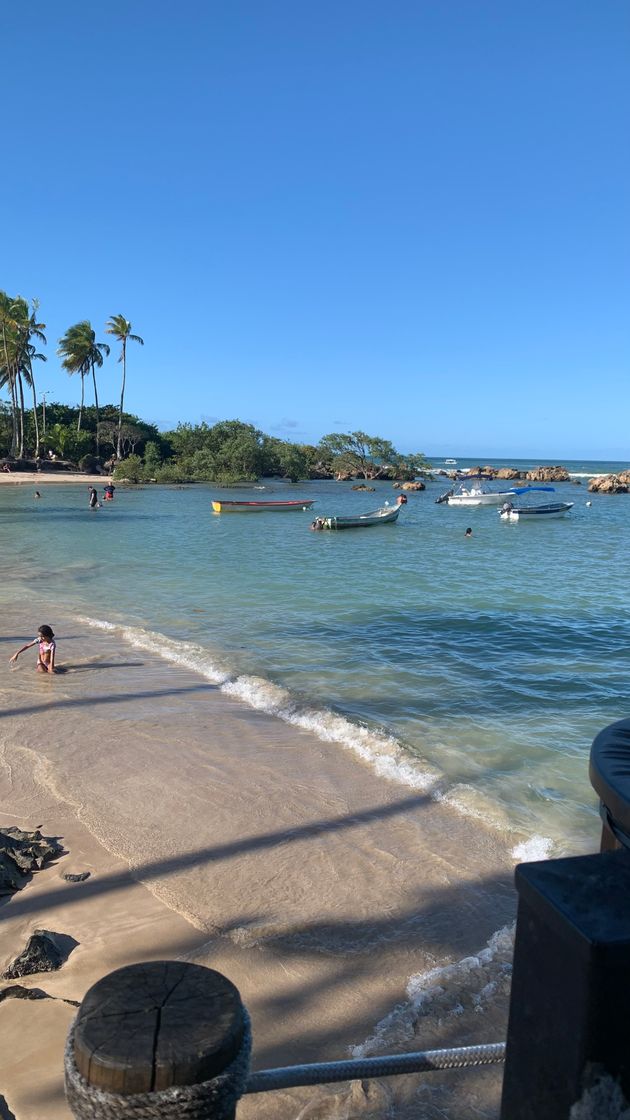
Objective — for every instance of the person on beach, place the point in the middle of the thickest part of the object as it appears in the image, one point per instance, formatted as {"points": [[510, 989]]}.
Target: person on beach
{"points": [[94, 502], [46, 653]]}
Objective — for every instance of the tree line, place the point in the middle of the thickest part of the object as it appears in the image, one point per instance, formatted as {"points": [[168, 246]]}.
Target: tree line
{"points": [[97, 436]]}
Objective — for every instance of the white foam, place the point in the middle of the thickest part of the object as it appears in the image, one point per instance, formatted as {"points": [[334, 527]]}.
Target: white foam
{"points": [[536, 847], [472, 982]]}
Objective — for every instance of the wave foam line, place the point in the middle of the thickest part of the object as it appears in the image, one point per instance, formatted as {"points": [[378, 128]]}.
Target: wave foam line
{"points": [[471, 985], [382, 752]]}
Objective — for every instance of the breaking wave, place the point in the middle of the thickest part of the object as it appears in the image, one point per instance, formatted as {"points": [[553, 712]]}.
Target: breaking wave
{"points": [[384, 753]]}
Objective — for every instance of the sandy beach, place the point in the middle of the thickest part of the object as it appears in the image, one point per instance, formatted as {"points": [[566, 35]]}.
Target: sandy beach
{"points": [[44, 478], [223, 835]]}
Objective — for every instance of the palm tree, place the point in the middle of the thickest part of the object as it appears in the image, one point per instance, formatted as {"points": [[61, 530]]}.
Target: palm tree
{"points": [[8, 370], [18, 326], [81, 353], [121, 329]]}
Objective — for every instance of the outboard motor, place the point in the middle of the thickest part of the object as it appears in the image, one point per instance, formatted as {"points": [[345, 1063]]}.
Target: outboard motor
{"points": [[443, 497]]}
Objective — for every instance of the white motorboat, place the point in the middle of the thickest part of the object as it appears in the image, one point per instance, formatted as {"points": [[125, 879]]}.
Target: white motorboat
{"points": [[471, 491]]}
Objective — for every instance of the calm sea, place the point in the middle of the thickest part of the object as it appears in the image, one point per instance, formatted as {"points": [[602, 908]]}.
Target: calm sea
{"points": [[478, 667]]}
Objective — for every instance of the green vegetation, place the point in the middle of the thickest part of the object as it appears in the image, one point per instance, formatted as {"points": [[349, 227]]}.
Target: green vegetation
{"points": [[103, 437]]}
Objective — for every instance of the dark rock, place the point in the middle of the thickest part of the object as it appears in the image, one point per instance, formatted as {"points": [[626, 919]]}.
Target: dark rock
{"points": [[80, 877], [362, 486], [20, 854], [43, 953], [417, 485], [18, 991], [5, 1111]]}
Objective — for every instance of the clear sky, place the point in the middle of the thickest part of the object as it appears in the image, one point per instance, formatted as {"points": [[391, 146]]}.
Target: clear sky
{"points": [[405, 216]]}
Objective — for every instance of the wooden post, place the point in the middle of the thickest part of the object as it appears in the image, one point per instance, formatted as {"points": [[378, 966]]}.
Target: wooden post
{"points": [[149, 1027], [571, 983]]}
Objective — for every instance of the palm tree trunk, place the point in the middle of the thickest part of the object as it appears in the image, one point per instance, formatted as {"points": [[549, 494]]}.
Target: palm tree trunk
{"points": [[14, 418], [96, 403], [21, 391], [10, 376], [82, 400], [122, 398], [35, 416]]}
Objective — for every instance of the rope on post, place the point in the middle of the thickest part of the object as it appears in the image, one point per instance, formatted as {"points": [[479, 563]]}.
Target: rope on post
{"points": [[211, 1100], [319, 1073], [166, 1040]]}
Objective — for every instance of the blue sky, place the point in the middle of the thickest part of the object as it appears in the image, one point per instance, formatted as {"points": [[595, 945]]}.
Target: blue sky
{"points": [[404, 216]]}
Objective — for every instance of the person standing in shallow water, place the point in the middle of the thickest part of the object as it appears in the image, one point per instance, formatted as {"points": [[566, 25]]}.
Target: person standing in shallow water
{"points": [[468, 533], [47, 649], [94, 503]]}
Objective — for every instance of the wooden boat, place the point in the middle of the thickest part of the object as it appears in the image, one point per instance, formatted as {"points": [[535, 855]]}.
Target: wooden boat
{"points": [[383, 516], [260, 507]]}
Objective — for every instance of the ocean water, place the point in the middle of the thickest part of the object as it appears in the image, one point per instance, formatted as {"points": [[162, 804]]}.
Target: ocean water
{"points": [[477, 668]]}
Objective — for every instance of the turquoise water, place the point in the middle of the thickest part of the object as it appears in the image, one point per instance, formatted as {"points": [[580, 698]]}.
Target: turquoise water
{"points": [[480, 668]]}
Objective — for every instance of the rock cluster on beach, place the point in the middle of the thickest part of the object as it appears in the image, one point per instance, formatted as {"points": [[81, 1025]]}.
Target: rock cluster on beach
{"points": [[20, 854]]}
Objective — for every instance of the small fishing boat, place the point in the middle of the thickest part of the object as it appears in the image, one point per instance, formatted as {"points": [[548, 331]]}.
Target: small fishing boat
{"points": [[510, 512], [383, 516], [451, 462], [530, 513], [260, 507]]}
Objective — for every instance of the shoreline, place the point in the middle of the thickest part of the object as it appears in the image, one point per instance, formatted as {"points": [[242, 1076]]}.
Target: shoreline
{"points": [[37, 478], [240, 842]]}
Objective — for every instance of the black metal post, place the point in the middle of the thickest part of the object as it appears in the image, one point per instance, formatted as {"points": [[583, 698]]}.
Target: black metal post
{"points": [[571, 984]]}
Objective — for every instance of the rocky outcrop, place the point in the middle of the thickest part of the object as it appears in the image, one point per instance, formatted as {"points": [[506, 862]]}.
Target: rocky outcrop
{"points": [[508, 472], [548, 474], [417, 485], [362, 486], [610, 484], [20, 854]]}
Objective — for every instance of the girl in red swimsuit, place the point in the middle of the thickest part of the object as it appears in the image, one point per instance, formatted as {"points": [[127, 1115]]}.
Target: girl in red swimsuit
{"points": [[46, 653]]}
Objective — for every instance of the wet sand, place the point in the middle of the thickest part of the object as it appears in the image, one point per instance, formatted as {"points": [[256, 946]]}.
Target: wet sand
{"points": [[223, 835]]}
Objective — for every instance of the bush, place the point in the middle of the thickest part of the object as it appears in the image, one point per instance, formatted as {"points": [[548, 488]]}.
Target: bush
{"points": [[170, 472], [131, 468]]}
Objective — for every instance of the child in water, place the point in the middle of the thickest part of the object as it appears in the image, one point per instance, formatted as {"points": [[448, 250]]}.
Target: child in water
{"points": [[46, 654]]}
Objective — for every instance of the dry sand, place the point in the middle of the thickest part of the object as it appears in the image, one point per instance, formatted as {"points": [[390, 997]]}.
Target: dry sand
{"points": [[223, 835], [38, 479]]}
